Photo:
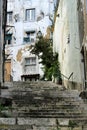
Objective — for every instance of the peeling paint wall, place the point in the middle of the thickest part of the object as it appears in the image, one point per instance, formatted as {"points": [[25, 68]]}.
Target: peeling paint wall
{"points": [[19, 49]]}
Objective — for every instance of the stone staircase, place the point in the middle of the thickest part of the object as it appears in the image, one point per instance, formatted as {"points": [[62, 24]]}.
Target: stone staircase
{"points": [[42, 106], [46, 100]]}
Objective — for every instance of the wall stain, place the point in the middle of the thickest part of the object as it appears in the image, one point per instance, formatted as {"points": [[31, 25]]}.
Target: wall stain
{"points": [[48, 33], [19, 55]]}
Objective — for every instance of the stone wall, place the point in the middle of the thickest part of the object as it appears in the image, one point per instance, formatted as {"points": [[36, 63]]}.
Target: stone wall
{"points": [[73, 85]]}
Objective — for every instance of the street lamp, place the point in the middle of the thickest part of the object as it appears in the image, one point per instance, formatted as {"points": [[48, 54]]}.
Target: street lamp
{"points": [[39, 34]]}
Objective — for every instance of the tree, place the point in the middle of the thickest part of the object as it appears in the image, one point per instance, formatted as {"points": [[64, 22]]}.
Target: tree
{"points": [[43, 49]]}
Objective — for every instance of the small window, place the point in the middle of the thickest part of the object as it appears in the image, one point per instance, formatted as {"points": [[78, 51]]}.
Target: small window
{"points": [[8, 39], [9, 17], [30, 14], [30, 61], [30, 37], [30, 65]]}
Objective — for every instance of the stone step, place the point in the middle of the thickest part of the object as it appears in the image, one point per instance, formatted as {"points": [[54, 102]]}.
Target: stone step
{"points": [[39, 85], [47, 105], [44, 107], [44, 99], [44, 113], [44, 95], [42, 104], [62, 107], [30, 88], [36, 97], [50, 111], [51, 115], [39, 96]]}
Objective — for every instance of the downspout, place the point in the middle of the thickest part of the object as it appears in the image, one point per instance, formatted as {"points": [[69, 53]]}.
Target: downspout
{"points": [[84, 69], [49, 14], [1, 40], [4, 42]]}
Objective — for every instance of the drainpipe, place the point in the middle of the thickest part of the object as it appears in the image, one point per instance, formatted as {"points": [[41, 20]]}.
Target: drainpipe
{"points": [[4, 32], [1, 42], [84, 69]]}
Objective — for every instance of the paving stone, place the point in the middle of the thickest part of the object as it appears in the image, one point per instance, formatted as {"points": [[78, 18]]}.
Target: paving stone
{"points": [[8, 121]]}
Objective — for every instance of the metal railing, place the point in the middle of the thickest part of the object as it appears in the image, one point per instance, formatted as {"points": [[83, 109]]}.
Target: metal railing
{"points": [[71, 75]]}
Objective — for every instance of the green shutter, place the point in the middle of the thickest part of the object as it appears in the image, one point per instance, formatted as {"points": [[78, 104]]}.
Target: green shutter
{"points": [[8, 37], [26, 39]]}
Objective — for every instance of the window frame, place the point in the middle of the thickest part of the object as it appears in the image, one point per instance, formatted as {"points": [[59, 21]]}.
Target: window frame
{"points": [[31, 62], [30, 67], [30, 14], [29, 36], [10, 17]]}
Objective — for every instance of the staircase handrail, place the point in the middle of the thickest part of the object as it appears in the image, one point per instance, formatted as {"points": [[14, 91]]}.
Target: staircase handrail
{"points": [[66, 76]]}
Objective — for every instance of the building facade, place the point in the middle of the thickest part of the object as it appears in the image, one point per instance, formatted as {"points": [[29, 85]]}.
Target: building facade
{"points": [[68, 44], [25, 18]]}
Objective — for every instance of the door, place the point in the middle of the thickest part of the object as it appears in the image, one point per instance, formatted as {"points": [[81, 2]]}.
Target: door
{"points": [[7, 72]]}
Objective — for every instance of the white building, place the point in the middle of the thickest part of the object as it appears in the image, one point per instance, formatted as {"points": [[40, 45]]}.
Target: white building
{"points": [[25, 18], [67, 43]]}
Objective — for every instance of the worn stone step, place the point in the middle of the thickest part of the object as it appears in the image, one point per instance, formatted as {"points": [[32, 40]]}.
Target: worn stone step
{"points": [[35, 97], [45, 96], [46, 101], [51, 115], [44, 89], [50, 106], [49, 112], [67, 106]]}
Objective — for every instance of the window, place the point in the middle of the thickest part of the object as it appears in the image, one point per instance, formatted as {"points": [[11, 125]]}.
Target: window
{"points": [[9, 17], [30, 65], [30, 37], [8, 39], [30, 14], [30, 61]]}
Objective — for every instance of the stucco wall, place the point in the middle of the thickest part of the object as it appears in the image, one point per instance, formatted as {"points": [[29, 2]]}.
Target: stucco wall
{"points": [[66, 40]]}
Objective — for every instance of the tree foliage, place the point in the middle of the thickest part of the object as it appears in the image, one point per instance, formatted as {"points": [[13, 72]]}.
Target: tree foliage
{"points": [[43, 49]]}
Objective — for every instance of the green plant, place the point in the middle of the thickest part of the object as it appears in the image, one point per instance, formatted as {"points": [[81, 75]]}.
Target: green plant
{"points": [[72, 124], [1, 107], [43, 49], [5, 107]]}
